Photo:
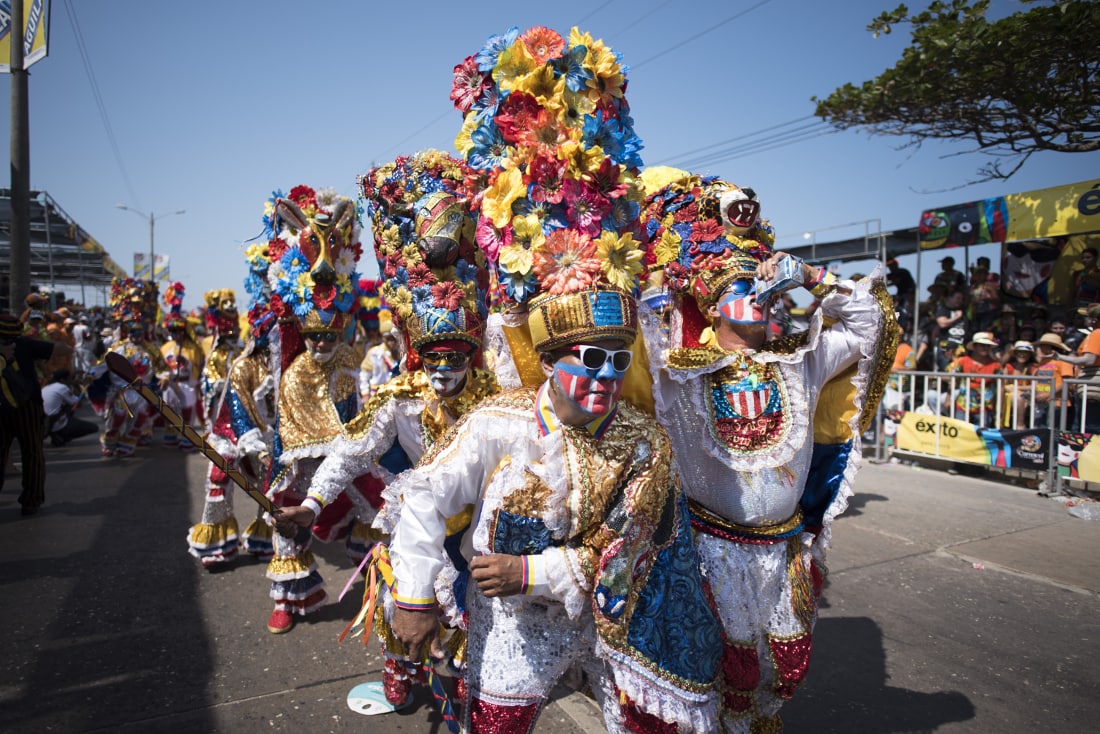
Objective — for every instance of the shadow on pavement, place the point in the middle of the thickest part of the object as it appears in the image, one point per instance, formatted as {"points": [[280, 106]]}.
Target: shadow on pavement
{"points": [[107, 629], [846, 689]]}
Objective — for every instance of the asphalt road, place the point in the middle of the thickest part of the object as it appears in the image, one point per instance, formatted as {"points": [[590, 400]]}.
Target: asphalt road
{"points": [[954, 604]]}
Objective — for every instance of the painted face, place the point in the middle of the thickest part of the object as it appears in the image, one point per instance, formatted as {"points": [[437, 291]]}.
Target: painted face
{"points": [[591, 377], [738, 304], [446, 370], [321, 345]]}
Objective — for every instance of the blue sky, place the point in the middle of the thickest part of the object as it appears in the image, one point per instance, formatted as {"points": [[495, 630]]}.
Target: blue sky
{"points": [[212, 105]]}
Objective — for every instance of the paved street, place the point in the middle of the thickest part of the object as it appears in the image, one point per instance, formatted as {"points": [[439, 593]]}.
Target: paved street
{"points": [[954, 604]]}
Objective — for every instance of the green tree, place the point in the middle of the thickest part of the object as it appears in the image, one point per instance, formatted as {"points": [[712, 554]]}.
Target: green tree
{"points": [[1012, 87]]}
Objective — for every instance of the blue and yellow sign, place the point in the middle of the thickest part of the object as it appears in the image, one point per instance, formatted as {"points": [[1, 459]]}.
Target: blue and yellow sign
{"points": [[35, 32]]}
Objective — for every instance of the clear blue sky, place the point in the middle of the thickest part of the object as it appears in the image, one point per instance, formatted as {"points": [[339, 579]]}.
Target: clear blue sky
{"points": [[212, 105]]}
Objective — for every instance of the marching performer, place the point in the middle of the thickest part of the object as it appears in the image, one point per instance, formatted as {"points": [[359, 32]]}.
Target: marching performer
{"points": [[183, 358]]}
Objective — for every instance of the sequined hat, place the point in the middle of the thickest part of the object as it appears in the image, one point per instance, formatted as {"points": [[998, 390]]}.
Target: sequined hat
{"points": [[434, 278], [547, 124], [174, 318], [221, 311], [705, 233]]}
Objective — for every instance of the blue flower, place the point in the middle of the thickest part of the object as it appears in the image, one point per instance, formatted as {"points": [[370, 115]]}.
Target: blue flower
{"points": [[269, 217], [294, 263], [422, 298], [571, 66], [465, 272], [623, 213], [518, 287], [608, 134], [551, 216], [487, 57], [488, 147], [486, 106]]}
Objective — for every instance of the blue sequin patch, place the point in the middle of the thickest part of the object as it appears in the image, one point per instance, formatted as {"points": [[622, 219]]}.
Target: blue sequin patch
{"points": [[239, 419], [823, 480], [607, 309], [519, 535], [672, 624]]}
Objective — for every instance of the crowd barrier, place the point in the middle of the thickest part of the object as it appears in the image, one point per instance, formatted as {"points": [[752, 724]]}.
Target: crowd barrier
{"points": [[1018, 422]]}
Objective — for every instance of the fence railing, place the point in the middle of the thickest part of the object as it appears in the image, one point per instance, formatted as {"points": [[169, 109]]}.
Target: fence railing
{"points": [[1008, 402]]}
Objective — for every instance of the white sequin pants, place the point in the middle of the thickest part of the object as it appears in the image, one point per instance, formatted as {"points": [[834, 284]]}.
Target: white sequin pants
{"points": [[520, 647]]}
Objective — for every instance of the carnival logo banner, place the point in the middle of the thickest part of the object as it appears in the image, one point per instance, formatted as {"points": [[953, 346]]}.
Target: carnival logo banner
{"points": [[1079, 456], [949, 438]]}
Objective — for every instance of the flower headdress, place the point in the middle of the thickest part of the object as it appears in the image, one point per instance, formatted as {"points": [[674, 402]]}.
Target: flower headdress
{"points": [[547, 124], [174, 317], [133, 300], [370, 303], [313, 249], [434, 277], [705, 233], [260, 316], [221, 311]]}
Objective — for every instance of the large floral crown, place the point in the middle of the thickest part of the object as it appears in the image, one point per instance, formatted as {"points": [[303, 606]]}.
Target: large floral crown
{"points": [[313, 248], [434, 277], [174, 317], [133, 300], [547, 124], [705, 233]]}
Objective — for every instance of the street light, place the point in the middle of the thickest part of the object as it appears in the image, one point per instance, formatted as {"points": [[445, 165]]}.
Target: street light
{"points": [[152, 218]]}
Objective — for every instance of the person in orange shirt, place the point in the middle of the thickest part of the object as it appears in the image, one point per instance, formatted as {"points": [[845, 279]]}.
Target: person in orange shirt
{"points": [[1087, 362], [974, 403], [1047, 364]]}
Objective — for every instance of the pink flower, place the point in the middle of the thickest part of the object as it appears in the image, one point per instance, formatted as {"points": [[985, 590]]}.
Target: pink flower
{"points": [[447, 295], [468, 85], [566, 262], [324, 296], [584, 207], [490, 239]]}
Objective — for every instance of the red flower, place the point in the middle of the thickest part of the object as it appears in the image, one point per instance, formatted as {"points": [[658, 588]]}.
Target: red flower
{"points": [[278, 307], [276, 248], [584, 207], [468, 85], [606, 180], [706, 231], [543, 43], [447, 295], [420, 275], [686, 213], [303, 196], [546, 173], [324, 296], [518, 113]]}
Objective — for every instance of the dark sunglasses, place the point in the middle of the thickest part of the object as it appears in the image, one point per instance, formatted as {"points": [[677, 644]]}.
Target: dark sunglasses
{"points": [[320, 336], [450, 359], [593, 358]]}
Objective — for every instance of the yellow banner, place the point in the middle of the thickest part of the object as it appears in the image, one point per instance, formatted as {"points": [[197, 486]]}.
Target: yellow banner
{"points": [[956, 439], [1059, 210], [35, 32]]}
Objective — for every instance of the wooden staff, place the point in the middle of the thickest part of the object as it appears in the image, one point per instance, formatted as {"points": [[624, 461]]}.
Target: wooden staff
{"points": [[122, 367]]}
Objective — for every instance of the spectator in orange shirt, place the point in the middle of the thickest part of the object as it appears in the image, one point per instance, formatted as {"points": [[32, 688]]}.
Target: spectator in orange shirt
{"points": [[1087, 362], [1047, 364], [974, 402]]}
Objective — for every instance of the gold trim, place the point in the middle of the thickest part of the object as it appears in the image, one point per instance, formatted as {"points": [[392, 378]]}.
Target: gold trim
{"points": [[722, 523]]}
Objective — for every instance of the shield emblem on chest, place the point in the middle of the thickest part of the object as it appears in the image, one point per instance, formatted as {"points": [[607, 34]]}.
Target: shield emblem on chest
{"points": [[749, 403]]}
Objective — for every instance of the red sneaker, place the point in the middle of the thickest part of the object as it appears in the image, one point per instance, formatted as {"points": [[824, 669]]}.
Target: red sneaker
{"points": [[280, 621]]}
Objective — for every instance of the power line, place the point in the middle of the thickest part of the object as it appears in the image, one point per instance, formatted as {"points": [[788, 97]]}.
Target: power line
{"points": [[639, 19], [99, 99], [765, 139], [773, 128], [582, 20], [416, 132], [748, 150], [700, 34]]}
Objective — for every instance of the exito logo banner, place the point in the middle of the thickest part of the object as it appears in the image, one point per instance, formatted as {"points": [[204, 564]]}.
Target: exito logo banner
{"points": [[949, 438], [35, 32]]}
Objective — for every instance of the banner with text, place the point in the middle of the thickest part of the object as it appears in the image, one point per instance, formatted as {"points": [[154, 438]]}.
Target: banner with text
{"points": [[949, 438], [35, 30], [141, 266]]}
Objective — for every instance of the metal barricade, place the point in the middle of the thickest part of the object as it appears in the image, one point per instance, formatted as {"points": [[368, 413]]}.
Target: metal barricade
{"points": [[1082, 415], [1009, 402]]}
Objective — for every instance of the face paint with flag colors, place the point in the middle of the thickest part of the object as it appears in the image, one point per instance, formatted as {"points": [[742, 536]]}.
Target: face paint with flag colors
{"points": [[593, 391], [738, 304]]}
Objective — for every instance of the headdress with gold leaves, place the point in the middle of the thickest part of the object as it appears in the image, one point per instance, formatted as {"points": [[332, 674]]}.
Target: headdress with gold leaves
{"points": [[221, 311], [174, 318], [547, 125], [132, 300], [433, 275], [313, 247]]}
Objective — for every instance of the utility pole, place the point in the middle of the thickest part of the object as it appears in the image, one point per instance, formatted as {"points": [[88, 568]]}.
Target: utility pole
{"points": [[20, 283]]}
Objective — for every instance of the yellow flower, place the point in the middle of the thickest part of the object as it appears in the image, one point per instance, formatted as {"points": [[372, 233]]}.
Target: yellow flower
{"points": [[412, 256], [497, 204], [575, 105], [256, 252], [527, 231], [514, 63], [391, 239], [516, 259], [399, 301], [582, 161], [464, 141], [543, 86], [304, 286], [620, 259], [668, 249]]}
